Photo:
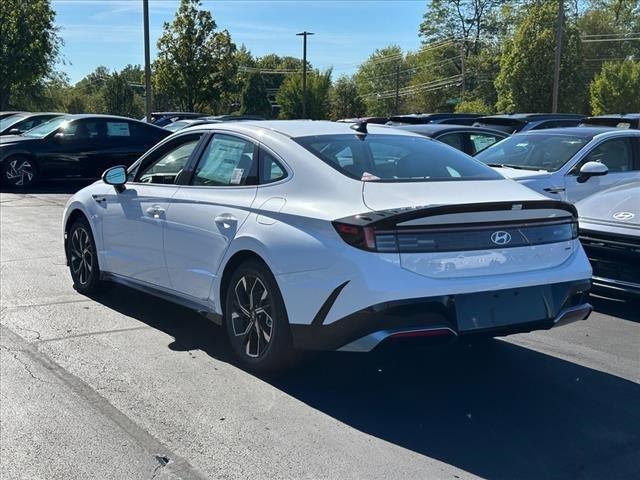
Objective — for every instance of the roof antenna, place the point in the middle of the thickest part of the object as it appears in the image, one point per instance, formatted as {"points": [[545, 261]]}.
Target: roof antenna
{"points": [[360, 128]]}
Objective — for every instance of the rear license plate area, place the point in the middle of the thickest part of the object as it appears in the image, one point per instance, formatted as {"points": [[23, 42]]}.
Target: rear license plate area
{"points": [[477, 311]]}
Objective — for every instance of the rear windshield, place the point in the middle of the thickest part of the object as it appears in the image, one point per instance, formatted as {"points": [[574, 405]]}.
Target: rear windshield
{"points": [[607, 122], [507, 125], [533, 152], [395, 158]]}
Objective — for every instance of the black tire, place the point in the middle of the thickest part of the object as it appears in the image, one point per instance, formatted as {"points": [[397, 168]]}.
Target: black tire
{"points": [[83, 259], [256, 322], [19, 172]]}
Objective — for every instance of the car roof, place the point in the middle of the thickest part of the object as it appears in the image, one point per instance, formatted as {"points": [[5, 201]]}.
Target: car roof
{"points": [[533, 116], [299, 128], [584, 132], [433, 128], [76, 116]]}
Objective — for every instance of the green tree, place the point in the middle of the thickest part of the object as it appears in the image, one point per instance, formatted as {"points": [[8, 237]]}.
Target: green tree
{"points": [[118, 97], [525, 82], [616, 88], [376, 79], [290, 95], [29, 47], [473, 106], [195, 62], [345, 99], [254, 97]]}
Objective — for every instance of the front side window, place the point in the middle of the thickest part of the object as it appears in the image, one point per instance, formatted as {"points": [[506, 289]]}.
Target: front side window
{"points": [[84, 130], [227, 161], [455, 140], [616, 154], [533, 151], [395, 158], [166, 168]]}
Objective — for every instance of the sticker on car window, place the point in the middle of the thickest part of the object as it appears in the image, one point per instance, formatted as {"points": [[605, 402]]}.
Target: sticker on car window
{"points": [[236, 176], [118, 129]]}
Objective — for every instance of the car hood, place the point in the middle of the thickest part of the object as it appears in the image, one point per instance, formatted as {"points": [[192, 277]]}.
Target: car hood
{"points": [[13, 139], [387, 195], [517, 174], [618, 206]]}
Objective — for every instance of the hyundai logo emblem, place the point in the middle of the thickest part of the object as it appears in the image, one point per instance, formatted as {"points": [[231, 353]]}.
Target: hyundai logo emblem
{"points": [[501, 237], [623, 215]]}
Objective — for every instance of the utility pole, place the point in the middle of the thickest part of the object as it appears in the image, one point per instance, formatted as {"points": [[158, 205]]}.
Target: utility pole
{"points": [[556, 68], [147, 62], [462, 66], [397, 89], [304, 36]]}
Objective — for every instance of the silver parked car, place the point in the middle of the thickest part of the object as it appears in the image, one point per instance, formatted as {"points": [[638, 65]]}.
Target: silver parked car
{"points": [[568, 163], [610, 234]]}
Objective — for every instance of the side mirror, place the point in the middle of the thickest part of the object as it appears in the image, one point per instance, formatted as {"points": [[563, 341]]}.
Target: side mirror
{"points": [[592, 169], [59, 137], [116, 176], [15, 131]]}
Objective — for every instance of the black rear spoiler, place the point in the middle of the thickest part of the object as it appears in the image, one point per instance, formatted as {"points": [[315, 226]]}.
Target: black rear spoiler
{"points": [[383, 219]]}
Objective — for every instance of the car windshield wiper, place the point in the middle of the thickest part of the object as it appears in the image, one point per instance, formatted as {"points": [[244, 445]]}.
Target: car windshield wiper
{"points": [[517, 167]]}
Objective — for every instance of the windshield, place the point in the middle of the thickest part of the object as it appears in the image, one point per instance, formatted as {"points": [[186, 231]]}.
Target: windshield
{"points": [[396, 158], [10, 120], [46, 128], [533, 152]]}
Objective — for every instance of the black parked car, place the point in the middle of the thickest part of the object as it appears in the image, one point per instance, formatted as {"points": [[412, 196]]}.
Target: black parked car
{"points": [[520, 122], [628, 120], [21, 122], [470, 140], [74, 146]]}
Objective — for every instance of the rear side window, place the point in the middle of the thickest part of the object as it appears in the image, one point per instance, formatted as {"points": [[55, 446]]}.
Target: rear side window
{"points": [[480, 141], [455, 140], [395, 158], [227, 161], [271, 170], [616, 154]]}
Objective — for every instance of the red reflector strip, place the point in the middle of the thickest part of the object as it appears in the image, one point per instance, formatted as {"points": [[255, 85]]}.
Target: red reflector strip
{"points": [[423, 333]]}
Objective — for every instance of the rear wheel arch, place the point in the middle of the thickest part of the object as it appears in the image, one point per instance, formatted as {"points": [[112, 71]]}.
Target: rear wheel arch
{"points": [[232, 264]]}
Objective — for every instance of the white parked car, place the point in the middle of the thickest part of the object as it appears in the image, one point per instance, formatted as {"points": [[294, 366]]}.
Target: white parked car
{"points": [[318, 235], [568, 163]]}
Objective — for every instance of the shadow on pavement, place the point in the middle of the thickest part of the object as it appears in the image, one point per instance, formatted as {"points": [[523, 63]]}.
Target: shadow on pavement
{"points": [[496, 410], [54, 186], [625, 308]]}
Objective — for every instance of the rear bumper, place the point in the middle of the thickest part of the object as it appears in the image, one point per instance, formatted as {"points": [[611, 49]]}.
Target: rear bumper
{"points": [[449, 317]]}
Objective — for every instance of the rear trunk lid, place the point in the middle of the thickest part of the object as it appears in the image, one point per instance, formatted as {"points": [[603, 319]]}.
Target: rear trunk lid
{"points": [[457, 240]]}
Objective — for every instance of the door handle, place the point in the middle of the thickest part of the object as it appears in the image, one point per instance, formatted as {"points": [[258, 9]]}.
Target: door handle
{"points": [[225, 220], [155, 211]]}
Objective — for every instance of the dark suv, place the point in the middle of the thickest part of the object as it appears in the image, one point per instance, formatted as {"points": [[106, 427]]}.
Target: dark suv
{"points": [[520, 122]]}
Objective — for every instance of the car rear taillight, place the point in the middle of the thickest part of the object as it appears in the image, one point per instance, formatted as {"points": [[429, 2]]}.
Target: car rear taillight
{"points": [[359, 237]]}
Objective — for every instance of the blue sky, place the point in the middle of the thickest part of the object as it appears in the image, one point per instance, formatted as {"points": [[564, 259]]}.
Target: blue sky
{"points": [[109, 32]]}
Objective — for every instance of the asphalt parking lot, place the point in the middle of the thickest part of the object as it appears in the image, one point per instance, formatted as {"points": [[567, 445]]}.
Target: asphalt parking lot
{"points": [[126, 386]]}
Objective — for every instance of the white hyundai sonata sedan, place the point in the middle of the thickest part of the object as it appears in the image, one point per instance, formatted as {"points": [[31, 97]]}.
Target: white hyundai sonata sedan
{"points": [[321, 235]]}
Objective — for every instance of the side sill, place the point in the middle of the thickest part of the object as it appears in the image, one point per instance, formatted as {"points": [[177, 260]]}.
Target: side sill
{"points": [[201, 308]]}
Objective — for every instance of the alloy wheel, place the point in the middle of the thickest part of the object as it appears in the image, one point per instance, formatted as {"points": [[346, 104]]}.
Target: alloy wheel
{"points": [[82, 256], [251, 316], [19, 172]]}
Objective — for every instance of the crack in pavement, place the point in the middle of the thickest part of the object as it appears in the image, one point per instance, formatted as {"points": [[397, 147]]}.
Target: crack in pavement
{"points": [[14, 354], [45, 304], [178, 466], [89, 334]]}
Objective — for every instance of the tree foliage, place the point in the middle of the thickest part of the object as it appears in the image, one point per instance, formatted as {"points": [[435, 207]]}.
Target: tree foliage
{"points": [[616, 88], [254, 97], [345, 99], [525, 82], [29, 48], [195, 63], [290, 95], [376, 79]]}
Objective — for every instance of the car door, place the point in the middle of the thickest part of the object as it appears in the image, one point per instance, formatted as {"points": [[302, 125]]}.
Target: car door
{"points": [[618, 154], [206, 214], [76, 150], [133, 219]]}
